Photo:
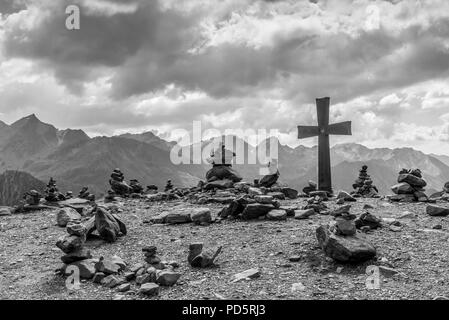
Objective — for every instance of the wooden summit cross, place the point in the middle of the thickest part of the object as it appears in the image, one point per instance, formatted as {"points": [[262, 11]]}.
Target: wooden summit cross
{"points": [[323, 130]]}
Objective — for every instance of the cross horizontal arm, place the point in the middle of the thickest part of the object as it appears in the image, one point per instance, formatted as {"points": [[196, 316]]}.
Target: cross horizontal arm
{"points": [[308, 132], [341, 128]]}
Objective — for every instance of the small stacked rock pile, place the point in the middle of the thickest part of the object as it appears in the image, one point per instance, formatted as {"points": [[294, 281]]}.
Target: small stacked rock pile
{"points": [[136, 187], [441, 195], [410, 187], [340, 241], [240, 189], [52, 193], [73, 244], [317, 204], [143, 278], [107, 224], [259, 203], [32, 198], [364, 185], [118, 185], [200, 258]]}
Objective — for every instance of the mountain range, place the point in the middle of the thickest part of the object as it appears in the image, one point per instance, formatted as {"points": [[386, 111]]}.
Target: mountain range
{"points": [[75, 160]]}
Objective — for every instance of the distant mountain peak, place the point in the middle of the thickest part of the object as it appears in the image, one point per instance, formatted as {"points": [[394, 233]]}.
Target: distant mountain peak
{"points": [[31, 119]]}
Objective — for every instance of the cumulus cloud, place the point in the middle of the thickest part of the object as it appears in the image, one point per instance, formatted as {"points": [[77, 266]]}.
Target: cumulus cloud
{"points": [[231, 64]]}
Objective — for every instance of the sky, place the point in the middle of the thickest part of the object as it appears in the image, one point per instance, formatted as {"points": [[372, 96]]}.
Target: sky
{"points": [[138, 65]]}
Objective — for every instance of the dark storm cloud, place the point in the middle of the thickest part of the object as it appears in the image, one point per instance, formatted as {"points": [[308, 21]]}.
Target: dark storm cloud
{"points": [[150, 48], [102, 41], [11, 6]]}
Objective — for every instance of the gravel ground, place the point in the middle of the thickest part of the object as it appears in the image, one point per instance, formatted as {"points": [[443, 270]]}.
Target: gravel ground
{"points": [[419, 253]]}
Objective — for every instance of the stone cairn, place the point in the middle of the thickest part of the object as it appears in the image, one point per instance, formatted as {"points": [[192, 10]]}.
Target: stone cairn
{"points": [[73, 243], [339, 240], [136, 187], [114, 273], [364, 185], [441, 195], [118, 185], [410, 187], [52, 193]]}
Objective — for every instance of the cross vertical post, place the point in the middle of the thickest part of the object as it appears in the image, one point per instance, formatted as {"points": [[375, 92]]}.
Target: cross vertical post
{"points": [[323, 130]]}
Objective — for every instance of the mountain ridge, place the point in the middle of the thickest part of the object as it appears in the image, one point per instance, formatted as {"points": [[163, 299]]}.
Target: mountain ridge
{"points": [[75, 160]]}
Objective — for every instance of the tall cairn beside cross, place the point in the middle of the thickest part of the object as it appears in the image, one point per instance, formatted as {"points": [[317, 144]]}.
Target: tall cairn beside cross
{"points": [[323, 130]]}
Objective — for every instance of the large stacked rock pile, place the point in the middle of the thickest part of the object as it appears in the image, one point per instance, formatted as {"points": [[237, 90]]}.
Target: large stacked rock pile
{"points": [[114, 273], [410, 187], [340, 242], [107, 224], [364, 185]]}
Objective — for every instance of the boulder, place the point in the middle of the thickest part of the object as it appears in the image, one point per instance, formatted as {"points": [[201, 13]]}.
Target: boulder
{"points": [[167, 278], [247, 274], [112, 281], [178, 217], [345, 196], [412, 180], [124, 287], [234, 209], [269, 180], [437, 211], [368, 219], [403, 188], [290, 210], [341, 210], [65, 215], [277, 215], [345, 227], [146, 277], [149, 289], [304, 214], [106, 266], [256, 210], [344, 249], [201, 215], [85, 267], [289, 192], [160, 218]]}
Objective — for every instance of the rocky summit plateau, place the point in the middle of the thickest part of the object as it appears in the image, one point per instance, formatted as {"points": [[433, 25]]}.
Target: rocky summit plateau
{"points": [[236, 242]]}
